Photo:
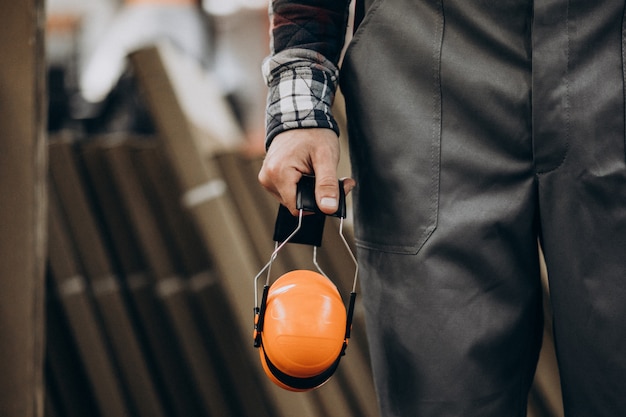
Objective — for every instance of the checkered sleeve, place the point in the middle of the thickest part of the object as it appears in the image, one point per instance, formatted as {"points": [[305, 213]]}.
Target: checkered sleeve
{"points": [[301, 73], [302, 88]]}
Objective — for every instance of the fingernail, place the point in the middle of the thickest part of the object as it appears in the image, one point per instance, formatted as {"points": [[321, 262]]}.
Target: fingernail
{"points": [[328, 202]]}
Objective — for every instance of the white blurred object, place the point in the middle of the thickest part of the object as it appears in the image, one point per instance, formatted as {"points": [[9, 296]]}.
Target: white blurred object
{"points": [[226, 7], [137, 26], [91, 20]]}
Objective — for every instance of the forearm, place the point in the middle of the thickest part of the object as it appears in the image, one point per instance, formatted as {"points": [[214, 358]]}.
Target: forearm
{"points": [[307, 37], [317, 25]]}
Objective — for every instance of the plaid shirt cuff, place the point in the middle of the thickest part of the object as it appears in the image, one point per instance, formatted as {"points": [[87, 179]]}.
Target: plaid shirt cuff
{"points": [[302, 86]]}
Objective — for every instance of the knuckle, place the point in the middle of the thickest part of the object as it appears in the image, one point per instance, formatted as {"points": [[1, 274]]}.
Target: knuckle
{"points": [[263, 179], [327, 182]]}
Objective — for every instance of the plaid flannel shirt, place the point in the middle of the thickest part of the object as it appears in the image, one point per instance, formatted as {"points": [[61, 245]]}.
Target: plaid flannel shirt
{"points": [[302, 70]]}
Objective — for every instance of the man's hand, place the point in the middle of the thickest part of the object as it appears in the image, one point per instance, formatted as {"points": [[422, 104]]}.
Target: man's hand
{"points": [[304, 151]]}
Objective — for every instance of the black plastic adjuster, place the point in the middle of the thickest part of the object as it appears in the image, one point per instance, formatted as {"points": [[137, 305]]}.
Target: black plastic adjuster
{"points": [[312, 227]]}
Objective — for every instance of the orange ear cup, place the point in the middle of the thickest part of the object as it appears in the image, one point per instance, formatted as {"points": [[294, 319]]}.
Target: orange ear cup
{"points": [[304, 330]]}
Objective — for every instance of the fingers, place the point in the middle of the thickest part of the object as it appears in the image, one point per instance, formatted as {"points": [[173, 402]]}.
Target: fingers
{"points": [[283, 166], [327, 191], [348, 185], [297, 152], [326, 200], [284, 190], [304, 151]]}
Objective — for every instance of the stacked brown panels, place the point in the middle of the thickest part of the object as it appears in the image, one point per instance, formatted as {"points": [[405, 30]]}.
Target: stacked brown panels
{"points": [[68, 389], [172, 371], [104, 282], [71, 288], [169, 284], [208, 298]]}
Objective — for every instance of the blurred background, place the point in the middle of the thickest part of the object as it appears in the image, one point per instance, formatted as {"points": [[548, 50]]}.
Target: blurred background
{"points": [[92, 89]]}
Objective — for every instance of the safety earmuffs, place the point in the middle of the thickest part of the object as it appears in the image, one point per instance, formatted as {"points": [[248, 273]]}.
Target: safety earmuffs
{"points": [[302, 326]]}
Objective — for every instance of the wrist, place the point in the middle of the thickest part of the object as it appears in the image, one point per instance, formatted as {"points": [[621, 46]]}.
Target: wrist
{"points": [[300, 95]]}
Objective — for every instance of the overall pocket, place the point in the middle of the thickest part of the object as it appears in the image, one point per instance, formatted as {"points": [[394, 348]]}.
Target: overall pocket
{"points": [[390, 78]]}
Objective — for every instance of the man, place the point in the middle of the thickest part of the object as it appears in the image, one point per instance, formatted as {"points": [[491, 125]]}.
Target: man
{"points": [[476, 129]]}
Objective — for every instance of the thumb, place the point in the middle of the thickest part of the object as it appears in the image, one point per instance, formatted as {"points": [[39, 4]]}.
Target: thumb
{"points": [[327, 191]]}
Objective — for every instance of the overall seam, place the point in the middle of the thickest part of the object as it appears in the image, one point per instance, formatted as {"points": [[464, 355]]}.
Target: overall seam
{"points": [[436, 131], [567, 97], [624, 72]]}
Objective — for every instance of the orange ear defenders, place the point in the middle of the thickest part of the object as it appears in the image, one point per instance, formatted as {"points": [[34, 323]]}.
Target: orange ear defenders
{"points": [[302, 326]]}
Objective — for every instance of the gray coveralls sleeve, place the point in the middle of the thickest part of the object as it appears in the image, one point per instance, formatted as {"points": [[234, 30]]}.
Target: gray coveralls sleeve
{"points": [[478, 129]]}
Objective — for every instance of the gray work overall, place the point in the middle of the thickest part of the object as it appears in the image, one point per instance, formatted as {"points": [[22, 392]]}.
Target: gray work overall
{"points": [[477, 128]]}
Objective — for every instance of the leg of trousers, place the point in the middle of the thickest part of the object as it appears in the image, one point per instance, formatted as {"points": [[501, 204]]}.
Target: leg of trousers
{"points": [[579, 101], [477, 128]]}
